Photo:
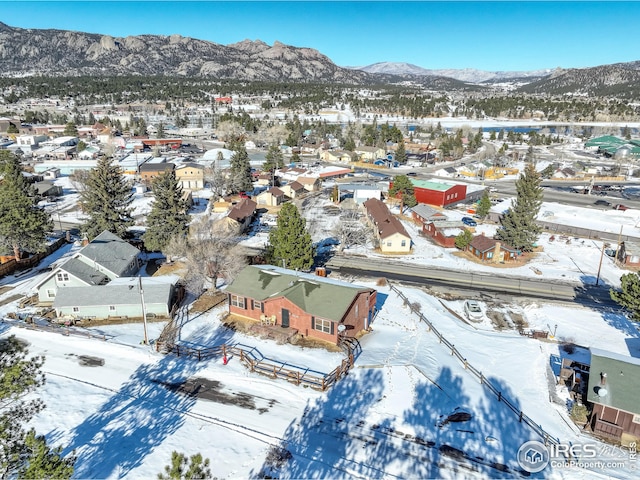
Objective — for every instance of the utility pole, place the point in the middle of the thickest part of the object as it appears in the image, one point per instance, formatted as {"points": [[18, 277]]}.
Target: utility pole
{"points": [[600, 264], [144, 310]]}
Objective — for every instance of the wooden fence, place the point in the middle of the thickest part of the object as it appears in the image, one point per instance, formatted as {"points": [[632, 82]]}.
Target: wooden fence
{"points": [[11, 266], [548, 439], [59, 329], [251, 358]]}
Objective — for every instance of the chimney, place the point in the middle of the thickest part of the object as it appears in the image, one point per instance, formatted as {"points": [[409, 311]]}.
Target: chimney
{"points": [[603, 378], [496, 253]]}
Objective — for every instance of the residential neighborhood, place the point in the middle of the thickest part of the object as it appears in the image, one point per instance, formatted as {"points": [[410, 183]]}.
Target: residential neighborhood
{"points": [[209, 272]]}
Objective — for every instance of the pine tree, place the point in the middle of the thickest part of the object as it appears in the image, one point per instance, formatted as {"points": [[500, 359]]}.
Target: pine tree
{"points": [[484, 205], [629, 294], [273, 160], [168, 217], [106, 197], [401, 153], [70, 130], [290, 241], [45, 462], [22, 453], [23, 226], [181, 468], [240, 170], [519, 229], [463, 239], [402, 188]]}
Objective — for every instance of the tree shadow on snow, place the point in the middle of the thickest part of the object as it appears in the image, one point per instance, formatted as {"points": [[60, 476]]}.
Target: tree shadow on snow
{"points": [[621, 322], [460, 437], [328, 440], [146, 410]]}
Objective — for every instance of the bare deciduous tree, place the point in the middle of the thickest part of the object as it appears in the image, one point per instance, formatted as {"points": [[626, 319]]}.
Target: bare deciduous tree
{"points": [[229, 130], [351, 231], [210, 252]]}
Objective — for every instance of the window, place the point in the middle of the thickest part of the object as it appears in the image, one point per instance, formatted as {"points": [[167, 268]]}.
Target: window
{"points": [[76, 309], [636, 418], [403, 243], [51, 293], [388, 244], [237, 301], [257, 305], [490, 255], [63, 277], [112, 308], [322, 325]]}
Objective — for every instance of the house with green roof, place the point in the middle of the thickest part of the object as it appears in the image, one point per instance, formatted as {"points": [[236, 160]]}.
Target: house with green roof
{"points": [[306, 304], [614, 391]]}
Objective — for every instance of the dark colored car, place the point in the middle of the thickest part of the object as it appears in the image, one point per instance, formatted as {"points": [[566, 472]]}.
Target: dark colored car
{"points": [[602, 203], [468, 221]]}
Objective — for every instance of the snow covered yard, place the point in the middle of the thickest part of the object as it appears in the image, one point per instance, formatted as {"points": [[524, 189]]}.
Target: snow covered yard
{"points": [[408, 409]]}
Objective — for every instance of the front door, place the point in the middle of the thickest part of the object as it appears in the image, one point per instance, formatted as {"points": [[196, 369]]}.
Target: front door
{"points": [[285, 318]]}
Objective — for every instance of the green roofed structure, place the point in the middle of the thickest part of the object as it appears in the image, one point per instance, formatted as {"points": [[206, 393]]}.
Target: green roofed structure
{"points": [[307, 304], [610, 145], [614, 391]]}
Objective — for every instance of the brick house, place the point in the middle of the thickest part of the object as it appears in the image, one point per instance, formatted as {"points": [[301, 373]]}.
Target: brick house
{"points": [[490, 249], [628, 254], [314, 306], [391, 234], [614, 390]]}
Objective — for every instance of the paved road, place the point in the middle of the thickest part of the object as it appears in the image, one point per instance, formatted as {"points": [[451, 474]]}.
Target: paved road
{"points": [[478, 282]]}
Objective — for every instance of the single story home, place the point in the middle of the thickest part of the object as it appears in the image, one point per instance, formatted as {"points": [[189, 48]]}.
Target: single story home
{"points": [[490, 249], [121, 299], [315, 306], [242, 213], [310, 184], [614, 390], [628, 254], [361, 191], [151, 170], [370, 154]]}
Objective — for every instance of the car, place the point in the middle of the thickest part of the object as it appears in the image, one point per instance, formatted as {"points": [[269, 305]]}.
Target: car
{"points": [[473, 311], [620, 206], [244, 195], [602, 203], [469, 222], [411, 174]]}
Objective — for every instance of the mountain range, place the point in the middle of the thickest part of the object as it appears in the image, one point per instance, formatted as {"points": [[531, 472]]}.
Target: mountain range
{"points": [[27, 52]]}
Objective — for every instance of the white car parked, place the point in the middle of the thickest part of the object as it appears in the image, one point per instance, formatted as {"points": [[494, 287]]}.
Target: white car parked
{"points": [[473, 311]]}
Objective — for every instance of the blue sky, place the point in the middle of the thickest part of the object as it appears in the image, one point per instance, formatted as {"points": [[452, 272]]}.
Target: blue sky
{"points": [[502, 35]]}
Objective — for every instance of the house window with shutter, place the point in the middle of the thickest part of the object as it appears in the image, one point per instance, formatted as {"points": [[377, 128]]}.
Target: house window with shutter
{"points": [[237, 301], [257, 305], [63, 277], [51, 293]]}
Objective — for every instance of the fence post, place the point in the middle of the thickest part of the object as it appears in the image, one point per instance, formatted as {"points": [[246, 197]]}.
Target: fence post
{"points": [[199, 351], [452, 349], [499, 396], [177, 350], [481, 378], [224, 351], [520, 417], [466, 364]]}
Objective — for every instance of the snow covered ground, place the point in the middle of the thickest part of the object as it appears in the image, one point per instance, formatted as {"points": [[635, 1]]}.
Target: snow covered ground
{"points": [[118, 404], [123, 408]]}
